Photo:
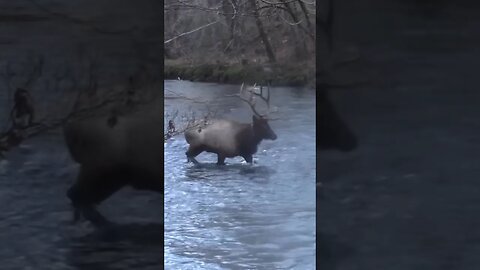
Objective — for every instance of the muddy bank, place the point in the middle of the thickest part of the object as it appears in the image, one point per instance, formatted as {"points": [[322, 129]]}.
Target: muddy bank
{"points": [[281, 75]]}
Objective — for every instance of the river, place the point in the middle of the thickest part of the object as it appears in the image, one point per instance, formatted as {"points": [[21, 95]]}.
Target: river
{"points": [[408, 197], [36, 224], [36, 229], [242, 216]]}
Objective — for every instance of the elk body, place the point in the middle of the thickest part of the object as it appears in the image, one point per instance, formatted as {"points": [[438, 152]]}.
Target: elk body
{"points": [[228, 139], [128, 153]]}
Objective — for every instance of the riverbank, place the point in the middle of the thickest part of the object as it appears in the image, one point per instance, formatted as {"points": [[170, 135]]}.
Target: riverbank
{"points": [[281, 74]]}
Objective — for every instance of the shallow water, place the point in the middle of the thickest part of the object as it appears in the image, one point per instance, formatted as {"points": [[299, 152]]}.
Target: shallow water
{"points": [[241, 216], [409, 196], [36, 218]]}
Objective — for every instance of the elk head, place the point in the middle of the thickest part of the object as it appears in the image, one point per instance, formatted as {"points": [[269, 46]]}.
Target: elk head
{"points": [[259, 121]]}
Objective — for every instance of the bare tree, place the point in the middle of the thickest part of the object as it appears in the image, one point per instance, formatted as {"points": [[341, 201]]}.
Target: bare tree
{"points": [[261, 31], [277, 29]]}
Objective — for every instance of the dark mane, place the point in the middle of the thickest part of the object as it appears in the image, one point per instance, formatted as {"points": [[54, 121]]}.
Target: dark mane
{"points": [[246, 141]]}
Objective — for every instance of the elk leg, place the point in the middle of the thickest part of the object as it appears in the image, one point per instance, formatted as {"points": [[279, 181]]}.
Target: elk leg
{"points": [[220, 160], [84, 209], [91, 214], [192, 159], [90, 189], [248, 159], [192, 152]]}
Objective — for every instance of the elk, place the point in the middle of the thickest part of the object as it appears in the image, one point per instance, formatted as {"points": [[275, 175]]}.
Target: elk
{"points": [[128, 153], [228, 138]]}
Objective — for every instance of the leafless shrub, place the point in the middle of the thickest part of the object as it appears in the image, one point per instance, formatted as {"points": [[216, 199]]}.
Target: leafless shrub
{"points": [[188, 119], [82, 98]]}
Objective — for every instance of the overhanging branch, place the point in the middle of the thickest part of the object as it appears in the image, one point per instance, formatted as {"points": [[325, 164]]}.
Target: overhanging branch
{"points": [[191, 32]]}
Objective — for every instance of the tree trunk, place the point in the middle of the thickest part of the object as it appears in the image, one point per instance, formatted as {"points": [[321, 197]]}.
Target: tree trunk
{"points": [[230, 8], [305, 13], [291, 12], [261, 30]]}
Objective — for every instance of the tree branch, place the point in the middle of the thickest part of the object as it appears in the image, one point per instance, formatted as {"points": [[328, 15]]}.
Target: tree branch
{"points": [[190, 32]]}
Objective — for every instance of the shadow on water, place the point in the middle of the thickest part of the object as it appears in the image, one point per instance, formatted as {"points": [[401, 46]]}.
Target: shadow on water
{"points": [[206, 171]]}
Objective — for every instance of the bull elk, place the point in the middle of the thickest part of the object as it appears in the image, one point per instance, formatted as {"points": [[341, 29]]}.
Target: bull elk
{"points": [[228, 138], [128, 153]]}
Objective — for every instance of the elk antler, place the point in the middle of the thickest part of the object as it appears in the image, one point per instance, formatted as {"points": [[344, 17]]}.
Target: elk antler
{"points": [[248, 96]]}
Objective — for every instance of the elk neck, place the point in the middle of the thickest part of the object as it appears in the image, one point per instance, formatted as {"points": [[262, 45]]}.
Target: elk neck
{"points": [[247, 140]]}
